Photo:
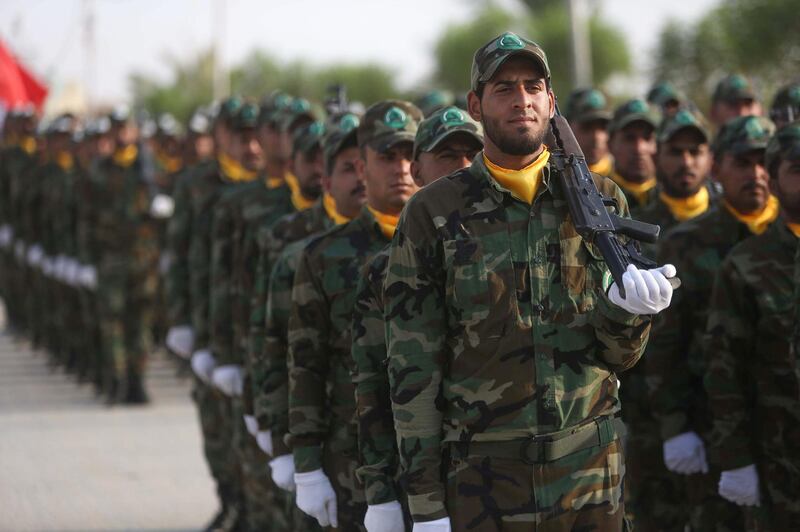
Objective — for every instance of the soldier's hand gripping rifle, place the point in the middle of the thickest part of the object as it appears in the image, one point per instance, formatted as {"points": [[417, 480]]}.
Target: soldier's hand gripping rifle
{"points": [[587, 207]]}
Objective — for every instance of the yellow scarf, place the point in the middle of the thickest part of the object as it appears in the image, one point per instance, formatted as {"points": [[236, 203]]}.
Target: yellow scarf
{"points": [[233, 170], [28, 145], [639, 190], [523, 183], [65, 161], [757, 222], [603, 167], [794, 228], [170, 164], [683, 209], [299, 201], [387, 222], [274, 182], [125, 157], [329, 204]]}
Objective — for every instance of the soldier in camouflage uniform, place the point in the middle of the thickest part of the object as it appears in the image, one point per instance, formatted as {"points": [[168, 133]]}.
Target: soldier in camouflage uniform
{"points": [[674, 361], [785, 107], [588, 115], [322, 429], [666, 97], [445, 142], [503, 345], [654, 496], [733, 96], [126, 251], [751, 379], [632, 141], [343, 197]]}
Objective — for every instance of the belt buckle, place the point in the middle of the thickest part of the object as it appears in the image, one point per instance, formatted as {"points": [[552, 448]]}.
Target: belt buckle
{"points": [[527, 454]]}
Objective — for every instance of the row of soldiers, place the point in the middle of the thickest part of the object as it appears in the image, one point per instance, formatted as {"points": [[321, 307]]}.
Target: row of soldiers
{"points": [[393, 324], [83, 217]]}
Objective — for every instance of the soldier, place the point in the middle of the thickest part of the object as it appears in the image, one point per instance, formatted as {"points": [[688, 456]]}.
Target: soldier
{"points": [[655, 497], [238, 212], [321, 395], [503, 345], [632, 142], [751, 379], [445, 142], [785, 107], [125, 251], [674, 362], [588, 115], [666, 97], [344, 195], [733, 96]]}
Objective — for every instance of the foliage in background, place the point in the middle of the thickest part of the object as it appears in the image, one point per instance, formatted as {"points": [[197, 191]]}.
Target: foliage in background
{"points": [[756, 37]]}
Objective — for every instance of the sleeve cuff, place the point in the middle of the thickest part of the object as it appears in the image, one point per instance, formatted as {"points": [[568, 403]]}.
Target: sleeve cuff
{"points": [[307, 458], [612, 312], [427, 507]]}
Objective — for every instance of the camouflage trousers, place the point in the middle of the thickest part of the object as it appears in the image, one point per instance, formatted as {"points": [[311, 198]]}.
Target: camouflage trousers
{"points": [[708, 512], [126, 320], [214, 413], [581, 491], [339, 461], [780, 496], [71, 328], [92, 339]]}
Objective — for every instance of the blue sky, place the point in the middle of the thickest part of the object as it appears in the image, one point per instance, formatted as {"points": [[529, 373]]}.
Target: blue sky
{"points": [[138, 35]]}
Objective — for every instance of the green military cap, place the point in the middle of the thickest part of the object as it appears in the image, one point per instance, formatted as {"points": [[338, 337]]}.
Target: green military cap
{"points": [[443, 124], [169, 126], [432, 101], [308, 138], [120, 114], [587, 105], [636, 110], [786, 105], [62, 124], [227, 109], [246, 117], [663, 93], [491, 55], [683, 119], [339, 136], [388, 122], [272, 106], [784, 145], [297, 112], [743, 134], [733, 88], [199, 123]]}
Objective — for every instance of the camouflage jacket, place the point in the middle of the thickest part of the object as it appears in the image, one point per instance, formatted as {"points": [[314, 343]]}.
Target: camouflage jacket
{"points": [[238, 211], [498, 327], [269, 372], [752, 379], [179, 236], [377, 444], [60, 211], [321, 394], [674, 362], [14, 166]]}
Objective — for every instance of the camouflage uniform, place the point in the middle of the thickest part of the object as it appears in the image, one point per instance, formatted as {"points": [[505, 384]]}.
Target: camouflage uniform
{"points": [[675, 357], [127, 249]]}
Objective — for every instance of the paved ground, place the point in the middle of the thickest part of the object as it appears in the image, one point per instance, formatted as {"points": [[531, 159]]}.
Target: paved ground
{"points": [[67, 463]]}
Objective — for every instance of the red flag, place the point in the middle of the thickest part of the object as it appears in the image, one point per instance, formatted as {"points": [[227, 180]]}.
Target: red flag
{"points": [[17, 85]]}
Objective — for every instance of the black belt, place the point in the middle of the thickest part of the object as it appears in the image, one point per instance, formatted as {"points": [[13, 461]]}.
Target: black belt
{"points": [[546, 447]]}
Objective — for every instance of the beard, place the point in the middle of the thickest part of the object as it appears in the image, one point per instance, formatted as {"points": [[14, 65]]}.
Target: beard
{"points": [[514, 143]]}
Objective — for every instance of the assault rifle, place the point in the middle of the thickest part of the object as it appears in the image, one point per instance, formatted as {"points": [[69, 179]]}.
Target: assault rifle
{"points": [[587, 207]]}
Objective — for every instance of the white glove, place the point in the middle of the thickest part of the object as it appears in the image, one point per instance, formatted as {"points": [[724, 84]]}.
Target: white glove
{"points": [[88, 277], [251, 424], [162, 206], [315, 496], [440, 525], [71, 272], [741, 486], [35, 255], [203, 363], [180, 339], [229, 379], [386, 517], [5, 236], [59, 266], [283, 471], [646, 291], [685, 454], [264, 441], [47, 266]]}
